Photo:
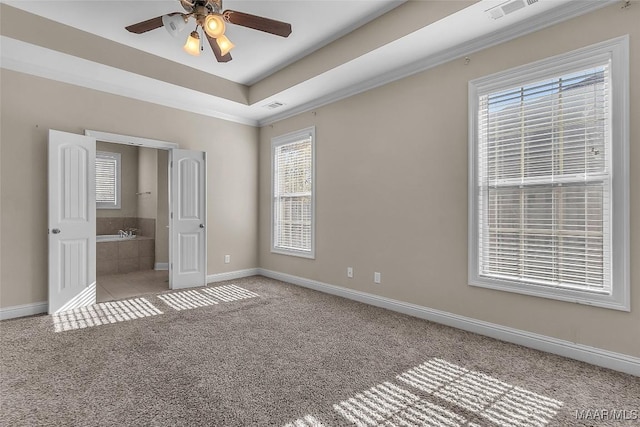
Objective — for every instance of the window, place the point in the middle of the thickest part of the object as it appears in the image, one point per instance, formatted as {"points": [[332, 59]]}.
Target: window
{"points": [[549, 190], [293, 185], [107, 180]]}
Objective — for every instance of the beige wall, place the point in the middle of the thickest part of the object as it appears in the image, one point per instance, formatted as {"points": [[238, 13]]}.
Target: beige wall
{"points": [[147, 182], [30, 106], [129, 176], [391, 191]]}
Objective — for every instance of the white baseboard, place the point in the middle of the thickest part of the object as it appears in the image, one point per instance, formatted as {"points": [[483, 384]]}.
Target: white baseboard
{"points": [[232, 275], [161, 266], [23, 310], [596, 356]]}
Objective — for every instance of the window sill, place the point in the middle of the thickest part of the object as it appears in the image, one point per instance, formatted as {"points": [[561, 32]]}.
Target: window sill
{"points": [[299, 254], [610, 301]]}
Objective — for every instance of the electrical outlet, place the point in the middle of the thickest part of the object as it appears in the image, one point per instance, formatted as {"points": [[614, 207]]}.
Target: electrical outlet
{"points": [[350, 272], [376, 277], [227, 259]]}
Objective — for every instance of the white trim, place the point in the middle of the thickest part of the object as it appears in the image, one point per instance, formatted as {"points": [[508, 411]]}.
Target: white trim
{"points": [[23, 57], [232, 275], [35, 60], [562, 13], [16, 311], [595, 356], [161, 266], [289, 138], [130, 140]]}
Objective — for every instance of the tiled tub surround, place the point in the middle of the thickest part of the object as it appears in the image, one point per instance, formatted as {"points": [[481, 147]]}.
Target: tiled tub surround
{"points": [[125, 256]]}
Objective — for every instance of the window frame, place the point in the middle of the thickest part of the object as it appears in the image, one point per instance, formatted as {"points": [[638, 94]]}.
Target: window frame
{"points": [[276, 142], [617, 52], [117, 157]]}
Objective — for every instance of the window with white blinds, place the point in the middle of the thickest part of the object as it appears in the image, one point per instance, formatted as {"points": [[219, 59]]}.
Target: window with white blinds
{"points": [[293, 194], [544, 205], [108, 180]]}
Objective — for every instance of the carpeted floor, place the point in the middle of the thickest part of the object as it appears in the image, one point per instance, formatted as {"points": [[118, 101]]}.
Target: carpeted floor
{"points": [[262, 352]]}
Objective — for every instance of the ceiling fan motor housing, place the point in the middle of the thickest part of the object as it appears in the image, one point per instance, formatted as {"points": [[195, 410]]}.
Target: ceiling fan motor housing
{"points": [[214, 6]]}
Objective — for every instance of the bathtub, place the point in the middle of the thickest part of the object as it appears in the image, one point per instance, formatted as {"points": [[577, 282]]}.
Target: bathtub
{"points": [[112, 238]]}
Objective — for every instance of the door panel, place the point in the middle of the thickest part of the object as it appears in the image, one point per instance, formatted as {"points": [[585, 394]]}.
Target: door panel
{"points": [[188, 219], [72, 221]]}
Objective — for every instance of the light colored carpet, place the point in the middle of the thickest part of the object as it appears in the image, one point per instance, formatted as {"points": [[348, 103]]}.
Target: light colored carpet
{"points": [[261, 352]]}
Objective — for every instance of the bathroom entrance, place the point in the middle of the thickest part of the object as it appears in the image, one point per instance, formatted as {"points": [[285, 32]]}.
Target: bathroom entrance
{"points": [[132, 220], [73, 227]]}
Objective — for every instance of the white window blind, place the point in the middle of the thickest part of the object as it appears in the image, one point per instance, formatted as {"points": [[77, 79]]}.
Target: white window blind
{"points": [[293, 195], [549, 201], [545, 185], [107, 180]]}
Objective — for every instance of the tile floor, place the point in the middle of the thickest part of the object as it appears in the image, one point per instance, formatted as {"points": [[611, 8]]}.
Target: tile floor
{"points": [[120, 286]]}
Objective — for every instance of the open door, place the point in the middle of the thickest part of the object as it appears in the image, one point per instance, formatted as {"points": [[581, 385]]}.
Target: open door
{"points": [[188, 241], [72, 221]]}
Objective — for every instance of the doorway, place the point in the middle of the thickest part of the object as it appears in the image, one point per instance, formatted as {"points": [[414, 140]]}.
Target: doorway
{"points": [[72, 223], [132, 221]]}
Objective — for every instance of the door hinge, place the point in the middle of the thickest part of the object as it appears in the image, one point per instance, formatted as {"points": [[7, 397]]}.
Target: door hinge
{"points": [[171, 164], [171, 215]]}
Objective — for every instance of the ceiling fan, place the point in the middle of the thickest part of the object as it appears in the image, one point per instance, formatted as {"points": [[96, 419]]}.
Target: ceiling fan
{"points": [[209, 16]]}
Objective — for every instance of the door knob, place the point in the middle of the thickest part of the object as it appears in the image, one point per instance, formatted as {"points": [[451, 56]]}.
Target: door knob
{"points": [[56, 231], [201, 225]]}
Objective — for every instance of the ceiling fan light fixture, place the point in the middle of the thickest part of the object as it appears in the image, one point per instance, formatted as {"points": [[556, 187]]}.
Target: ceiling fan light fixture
{"points": [[174, 23], [214, 25], [192, 46], [224, 44]]}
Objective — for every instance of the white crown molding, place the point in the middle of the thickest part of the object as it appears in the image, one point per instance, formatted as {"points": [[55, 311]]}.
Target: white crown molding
{"points": [[38, 61], [536, 23], [595, 356], [27, 58]]}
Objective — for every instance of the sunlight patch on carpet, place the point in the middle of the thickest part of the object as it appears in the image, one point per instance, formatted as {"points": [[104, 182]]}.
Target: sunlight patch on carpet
{"points": [[492, 399], [187, 300], [229, 293], [468, 392], [389, 405], [306, 421], [103, 313]]}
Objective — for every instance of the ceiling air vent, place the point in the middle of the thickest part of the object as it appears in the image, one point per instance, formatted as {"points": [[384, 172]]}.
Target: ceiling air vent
{"points": [[512, 6], [509, 7], [273, 105]]}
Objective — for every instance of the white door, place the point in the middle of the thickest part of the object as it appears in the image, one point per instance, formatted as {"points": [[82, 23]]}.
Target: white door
{"points": [[72, 221], [188, 242]]}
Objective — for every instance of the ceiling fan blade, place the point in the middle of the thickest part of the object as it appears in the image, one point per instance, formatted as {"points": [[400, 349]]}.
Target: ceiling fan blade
{"points": [[259, 23], [216, 50], [144, 26]]}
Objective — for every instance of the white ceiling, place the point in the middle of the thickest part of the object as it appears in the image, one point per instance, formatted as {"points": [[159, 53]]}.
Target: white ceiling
{"points": [[455, 36], [256, 55]]}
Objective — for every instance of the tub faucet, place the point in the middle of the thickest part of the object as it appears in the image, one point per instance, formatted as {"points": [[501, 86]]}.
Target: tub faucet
{"points": [[122, 233]]}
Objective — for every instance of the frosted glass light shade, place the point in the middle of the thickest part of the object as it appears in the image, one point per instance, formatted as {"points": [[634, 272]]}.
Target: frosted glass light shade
{"points": [[192, 46], [225, 44], [174, 23], [214, 26]]}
